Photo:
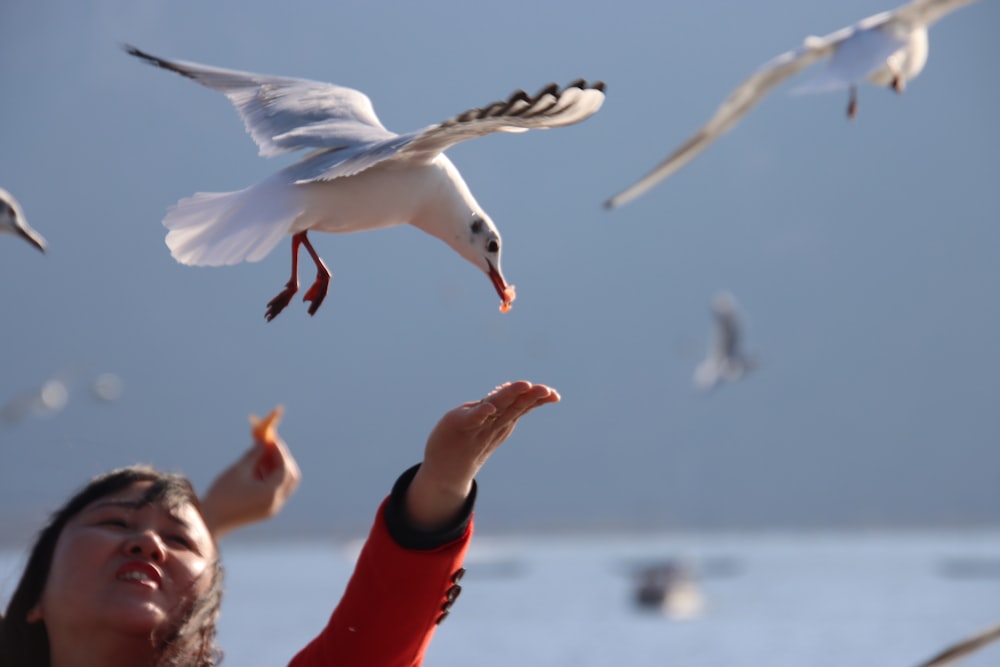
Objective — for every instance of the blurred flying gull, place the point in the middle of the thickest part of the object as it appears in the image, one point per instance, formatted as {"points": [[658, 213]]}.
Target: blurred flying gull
{"points": [[887, 49], [107, 387], [52, 396], [725, 360], [12, 221], [43, 401], [357, 176]]}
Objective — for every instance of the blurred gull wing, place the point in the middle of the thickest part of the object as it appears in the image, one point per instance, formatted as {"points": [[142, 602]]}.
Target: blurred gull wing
{"points": [[550, 107], [740, 101], [285, 114], [927, 12], [964, 647], [12, 221]]}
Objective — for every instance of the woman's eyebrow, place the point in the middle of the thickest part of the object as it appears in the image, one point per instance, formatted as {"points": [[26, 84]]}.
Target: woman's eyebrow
{"points": [[135, 505], [127, 504]]}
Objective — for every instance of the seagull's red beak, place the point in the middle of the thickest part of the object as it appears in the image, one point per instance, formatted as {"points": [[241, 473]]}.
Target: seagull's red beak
{"points": [[504, 291]]}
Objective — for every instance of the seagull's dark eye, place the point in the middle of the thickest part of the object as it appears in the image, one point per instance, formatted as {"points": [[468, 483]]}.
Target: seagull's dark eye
{"points": [[476, 226], [493, 246]]}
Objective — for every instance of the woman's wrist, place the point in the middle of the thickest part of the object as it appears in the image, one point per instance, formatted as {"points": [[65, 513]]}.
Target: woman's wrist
{"points": [[432, 503], [422, 535]]}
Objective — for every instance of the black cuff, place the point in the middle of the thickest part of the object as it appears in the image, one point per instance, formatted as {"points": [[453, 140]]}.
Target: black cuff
{"points": [[409, 537]]}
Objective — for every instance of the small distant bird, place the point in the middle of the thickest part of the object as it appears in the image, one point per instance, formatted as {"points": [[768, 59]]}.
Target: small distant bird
{"points": [[670, 589], [107, 387], [357, 176], [48, 399], [963, 648], [887, 49], [726, 361], [12, 221]]}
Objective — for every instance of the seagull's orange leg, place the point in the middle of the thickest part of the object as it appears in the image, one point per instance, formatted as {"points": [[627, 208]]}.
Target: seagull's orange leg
{"points": [[278, 303]]}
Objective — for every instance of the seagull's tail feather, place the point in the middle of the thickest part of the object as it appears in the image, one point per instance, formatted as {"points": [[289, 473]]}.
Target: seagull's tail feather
{"points": [[221, 228]]}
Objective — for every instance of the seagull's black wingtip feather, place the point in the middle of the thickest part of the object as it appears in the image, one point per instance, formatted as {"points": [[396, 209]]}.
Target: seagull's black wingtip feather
{"points": [[153, 60], [134, 51]]}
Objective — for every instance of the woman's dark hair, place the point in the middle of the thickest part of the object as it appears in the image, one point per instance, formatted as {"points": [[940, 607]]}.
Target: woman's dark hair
{"points": [[190, 643]]}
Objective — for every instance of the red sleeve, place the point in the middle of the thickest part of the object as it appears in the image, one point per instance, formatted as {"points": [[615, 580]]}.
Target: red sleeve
{"points": [[393, 603]]}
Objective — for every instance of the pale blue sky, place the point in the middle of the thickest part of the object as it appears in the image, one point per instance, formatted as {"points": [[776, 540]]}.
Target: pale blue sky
{"points": [[864, 255]]}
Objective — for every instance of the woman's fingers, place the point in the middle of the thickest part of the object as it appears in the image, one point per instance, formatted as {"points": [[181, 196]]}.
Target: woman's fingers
{"points": [[514, 400]]}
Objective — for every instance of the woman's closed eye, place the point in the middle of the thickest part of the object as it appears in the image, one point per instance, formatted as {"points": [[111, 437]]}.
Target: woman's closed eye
{"points": [[181, 540], [122, 523]]}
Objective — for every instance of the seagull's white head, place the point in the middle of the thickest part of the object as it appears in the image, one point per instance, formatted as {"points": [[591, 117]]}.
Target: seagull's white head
{"points": [[12, 221], [457, 219], [483, 250]]}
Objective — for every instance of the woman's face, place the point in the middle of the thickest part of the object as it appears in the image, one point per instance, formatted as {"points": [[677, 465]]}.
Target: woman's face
{"points": [[126, 567]]}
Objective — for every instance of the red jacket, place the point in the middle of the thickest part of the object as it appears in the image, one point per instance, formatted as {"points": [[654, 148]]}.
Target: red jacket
{"points": [[397, 596]]}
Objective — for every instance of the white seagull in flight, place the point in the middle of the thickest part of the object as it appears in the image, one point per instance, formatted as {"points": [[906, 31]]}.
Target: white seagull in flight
{"points": [[12, 221], [887, 49], [357, 176], [726, 359]]}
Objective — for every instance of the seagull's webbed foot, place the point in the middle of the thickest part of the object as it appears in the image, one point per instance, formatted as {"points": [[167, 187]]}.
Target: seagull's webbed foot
{"points": [[852, 103], [317, 292], [898, 84], [278, 303]]}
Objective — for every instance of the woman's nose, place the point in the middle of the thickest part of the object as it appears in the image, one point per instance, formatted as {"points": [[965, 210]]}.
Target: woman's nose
{"points": [[145, 543]]}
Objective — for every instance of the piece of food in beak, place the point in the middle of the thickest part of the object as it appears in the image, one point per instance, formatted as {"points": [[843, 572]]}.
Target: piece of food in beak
{"points": [[507, 297]]}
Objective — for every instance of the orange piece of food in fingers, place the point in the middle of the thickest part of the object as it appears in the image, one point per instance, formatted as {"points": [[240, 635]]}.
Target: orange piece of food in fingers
{"points": [[265, 429]]}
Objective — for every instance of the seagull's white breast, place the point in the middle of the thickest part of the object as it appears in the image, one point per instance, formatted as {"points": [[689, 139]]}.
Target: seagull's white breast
{"points": [[388, 194]]}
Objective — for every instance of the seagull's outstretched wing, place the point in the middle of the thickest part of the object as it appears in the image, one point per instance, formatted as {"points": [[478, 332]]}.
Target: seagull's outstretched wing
{"points": [[739, 102], [550, 107], [286, 114], [339, 124], [927, 12], [964, 647]]}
